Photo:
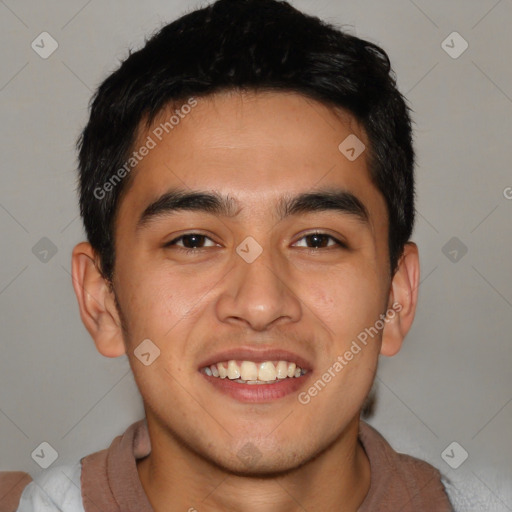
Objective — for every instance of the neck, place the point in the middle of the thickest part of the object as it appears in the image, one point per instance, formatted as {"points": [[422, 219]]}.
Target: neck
{"points": [[175, 478]]}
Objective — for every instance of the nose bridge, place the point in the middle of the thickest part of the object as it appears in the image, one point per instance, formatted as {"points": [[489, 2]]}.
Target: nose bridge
{"points": [[257, 294], [261, 273]]}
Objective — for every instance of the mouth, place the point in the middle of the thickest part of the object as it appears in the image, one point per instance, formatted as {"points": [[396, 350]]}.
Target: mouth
{"points": [[256, 376]]}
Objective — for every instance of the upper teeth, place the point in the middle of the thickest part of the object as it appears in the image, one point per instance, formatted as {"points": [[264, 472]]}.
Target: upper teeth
{"points": [[250, 371]]}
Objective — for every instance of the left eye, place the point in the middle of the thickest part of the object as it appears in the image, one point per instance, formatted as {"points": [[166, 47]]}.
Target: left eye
{"points": [[321, 239]]}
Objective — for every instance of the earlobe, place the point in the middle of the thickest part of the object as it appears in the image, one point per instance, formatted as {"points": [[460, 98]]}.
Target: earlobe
{"points": [[403, 297], [96, 302]]}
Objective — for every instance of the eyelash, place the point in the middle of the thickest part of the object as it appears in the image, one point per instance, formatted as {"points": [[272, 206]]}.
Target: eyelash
{"points": [[186, 250]]}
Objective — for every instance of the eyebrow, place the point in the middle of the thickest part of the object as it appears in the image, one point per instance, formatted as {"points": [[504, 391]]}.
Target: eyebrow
{"points": [[214, 203]]}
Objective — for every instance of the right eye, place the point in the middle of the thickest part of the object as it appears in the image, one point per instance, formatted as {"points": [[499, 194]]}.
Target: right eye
{"points": [[189, 242]]}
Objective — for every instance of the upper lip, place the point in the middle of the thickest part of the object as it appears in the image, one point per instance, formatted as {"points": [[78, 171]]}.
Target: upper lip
{"points": [[256, 355]]}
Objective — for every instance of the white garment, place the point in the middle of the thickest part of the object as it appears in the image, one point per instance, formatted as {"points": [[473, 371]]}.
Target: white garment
{"points": [[56, 489]]}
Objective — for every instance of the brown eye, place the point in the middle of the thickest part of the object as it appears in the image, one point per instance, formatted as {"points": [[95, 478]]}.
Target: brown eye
{"points": [[189, 241], [321, 240]]}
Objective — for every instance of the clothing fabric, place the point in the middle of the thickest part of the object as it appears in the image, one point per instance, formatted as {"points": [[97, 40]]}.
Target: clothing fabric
{"points": [[107, 480], [55, 489]]}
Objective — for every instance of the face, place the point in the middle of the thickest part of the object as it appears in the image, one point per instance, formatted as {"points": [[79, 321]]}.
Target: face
{"points": [[263, 279]]}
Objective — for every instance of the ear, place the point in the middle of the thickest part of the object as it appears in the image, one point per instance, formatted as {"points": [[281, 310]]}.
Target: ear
{"points": [[96, 301], [403, 297]]}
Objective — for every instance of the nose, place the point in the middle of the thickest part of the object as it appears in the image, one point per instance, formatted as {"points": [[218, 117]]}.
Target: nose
{"points": [[258, 294]]}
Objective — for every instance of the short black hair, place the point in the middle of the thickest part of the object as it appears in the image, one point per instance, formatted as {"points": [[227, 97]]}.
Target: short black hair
{"points": [[246, 45]]}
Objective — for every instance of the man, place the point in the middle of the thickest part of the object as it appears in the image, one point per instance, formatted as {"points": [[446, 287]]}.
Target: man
{"points": [[247, 189]]}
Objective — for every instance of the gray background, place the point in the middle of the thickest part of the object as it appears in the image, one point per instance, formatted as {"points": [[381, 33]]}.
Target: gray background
{"points": [[452, 381]]}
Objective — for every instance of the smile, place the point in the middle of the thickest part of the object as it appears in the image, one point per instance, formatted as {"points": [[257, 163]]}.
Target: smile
{"points": [[255, 382], [249, 372]]}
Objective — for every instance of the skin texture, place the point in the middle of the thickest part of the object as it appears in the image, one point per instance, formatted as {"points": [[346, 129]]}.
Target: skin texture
{"points": [[310, 299]]}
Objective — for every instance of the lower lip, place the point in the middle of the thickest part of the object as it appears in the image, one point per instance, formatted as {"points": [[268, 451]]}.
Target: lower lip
{"points": [[258, 392]]}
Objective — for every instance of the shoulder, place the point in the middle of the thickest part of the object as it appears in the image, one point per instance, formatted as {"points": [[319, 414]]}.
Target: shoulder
{"points": [[397, 478], [54, 489], [12, 484]]}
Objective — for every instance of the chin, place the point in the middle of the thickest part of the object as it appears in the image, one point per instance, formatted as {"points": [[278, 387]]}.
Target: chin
{"points": [[253, 460], [265, 467]]}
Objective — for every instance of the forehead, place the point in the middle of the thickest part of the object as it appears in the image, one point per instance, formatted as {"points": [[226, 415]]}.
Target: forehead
{"points": [[254, 147]]}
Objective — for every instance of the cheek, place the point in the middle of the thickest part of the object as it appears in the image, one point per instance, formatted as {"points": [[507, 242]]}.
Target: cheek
{"points": [[161, 300], [347, 299], [150, 300]]}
